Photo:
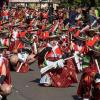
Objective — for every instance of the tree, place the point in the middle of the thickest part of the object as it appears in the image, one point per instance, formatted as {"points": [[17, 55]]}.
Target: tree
{"points": [[88, 3]]}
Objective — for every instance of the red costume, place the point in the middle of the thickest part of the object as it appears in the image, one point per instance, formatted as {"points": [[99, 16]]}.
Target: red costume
{"points": [[61, 77], [8, 76], [84, 88]]}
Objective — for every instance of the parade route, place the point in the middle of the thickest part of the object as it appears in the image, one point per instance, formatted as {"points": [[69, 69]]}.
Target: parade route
{"points": [[49, 50], [25, 87]]}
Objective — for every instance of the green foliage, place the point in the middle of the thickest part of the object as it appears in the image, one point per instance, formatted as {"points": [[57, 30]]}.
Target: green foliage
{"points": [[4, 1], [77, 1], [69, 3]]}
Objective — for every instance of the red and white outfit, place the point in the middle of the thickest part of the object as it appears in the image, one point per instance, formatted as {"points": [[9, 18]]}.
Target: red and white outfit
{"points": [[15, 34], [56, 51], [5, 14], [5, 42], [91, 42], [15, 42], [78, 50]]}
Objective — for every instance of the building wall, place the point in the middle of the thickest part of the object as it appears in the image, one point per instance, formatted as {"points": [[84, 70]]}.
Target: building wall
{"points": [[30, 0]]}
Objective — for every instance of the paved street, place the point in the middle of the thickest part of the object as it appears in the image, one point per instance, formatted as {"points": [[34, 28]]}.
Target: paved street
{"points": [[25, 87]]}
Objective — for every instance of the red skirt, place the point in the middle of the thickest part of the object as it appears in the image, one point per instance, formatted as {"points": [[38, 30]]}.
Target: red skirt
{"points": [[64, 77]]}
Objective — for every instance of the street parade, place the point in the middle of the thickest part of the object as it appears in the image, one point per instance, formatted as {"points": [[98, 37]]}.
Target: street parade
{"points": [[65, 44]]}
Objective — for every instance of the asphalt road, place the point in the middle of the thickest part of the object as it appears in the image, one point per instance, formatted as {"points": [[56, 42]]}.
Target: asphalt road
{"points": [[25, 87]]}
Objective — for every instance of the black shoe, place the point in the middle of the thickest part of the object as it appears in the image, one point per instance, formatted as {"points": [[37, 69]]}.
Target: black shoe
{"points": [[4, 98]]}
